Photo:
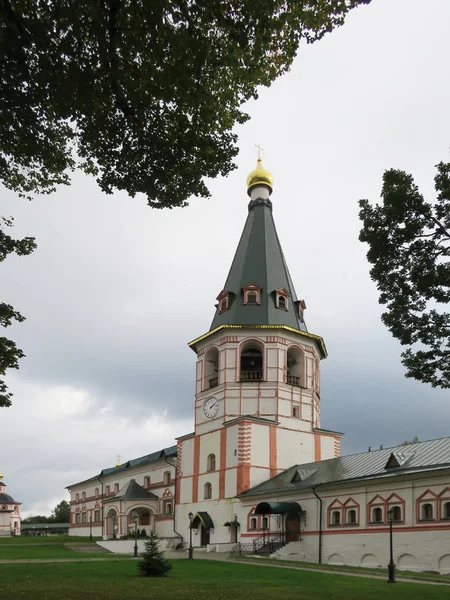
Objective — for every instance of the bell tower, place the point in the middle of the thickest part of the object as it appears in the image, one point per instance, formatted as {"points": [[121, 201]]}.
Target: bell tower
{"points": [[257, 395]]}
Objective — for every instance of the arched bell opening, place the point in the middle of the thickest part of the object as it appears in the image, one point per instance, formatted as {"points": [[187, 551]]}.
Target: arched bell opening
{"points": [[294, 366], [212, 368], [251, 362]]}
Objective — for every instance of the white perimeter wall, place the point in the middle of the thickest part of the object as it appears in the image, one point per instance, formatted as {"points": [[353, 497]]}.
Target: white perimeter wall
{"points": [[414, 551]]}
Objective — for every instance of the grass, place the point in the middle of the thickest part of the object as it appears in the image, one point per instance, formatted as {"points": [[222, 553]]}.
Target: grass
{"points": [[362, 570], [20, 540], [46, 552], [195, 580]]}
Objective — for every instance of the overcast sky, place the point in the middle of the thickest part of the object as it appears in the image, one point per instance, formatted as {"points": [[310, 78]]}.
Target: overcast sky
{"points": [[115, 290]]}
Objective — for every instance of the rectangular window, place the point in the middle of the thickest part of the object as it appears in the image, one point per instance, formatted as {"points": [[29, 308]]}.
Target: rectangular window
{"points": [[97, 516], [296, 412], [77, 518], [84, 518]]}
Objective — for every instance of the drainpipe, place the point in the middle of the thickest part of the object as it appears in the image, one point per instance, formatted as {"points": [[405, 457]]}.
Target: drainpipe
{"points": [[320, 523], [103, 518], [174, 499]]}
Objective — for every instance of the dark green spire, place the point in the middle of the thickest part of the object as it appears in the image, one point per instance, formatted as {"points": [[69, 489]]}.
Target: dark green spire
{"points": [[259, 260]]}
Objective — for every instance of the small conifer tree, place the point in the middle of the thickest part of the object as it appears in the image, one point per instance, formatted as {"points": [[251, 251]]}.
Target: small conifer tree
{"points": [[153, 563]]}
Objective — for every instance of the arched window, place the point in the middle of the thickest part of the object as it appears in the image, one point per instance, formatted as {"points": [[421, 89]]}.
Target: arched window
{"points": [[336, 517], [252, 293], [265, 523], [146, 481], [116, 488], [83, 496], [427, 512], [281, 298], [166, 477], [107, 490], [351, 517], [223, 298], [251, 362], [212, 368], [377, 515], [207, 491], [211, 462], [253, 523], [396, 513], [294, 360], [77, 498], [96, 492], [168, 508], [446, 510]]}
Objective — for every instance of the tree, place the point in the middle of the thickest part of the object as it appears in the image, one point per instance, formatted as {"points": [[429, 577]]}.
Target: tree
{"points": [[415, 440], [409, 248], [61, 513], [143, 94], [9, 352], [33, 519], [153, 563]]}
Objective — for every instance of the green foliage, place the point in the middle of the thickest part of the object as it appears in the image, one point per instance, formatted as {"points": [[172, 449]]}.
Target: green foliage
{"points": [[143, 94], [35, 519], [409, 248], [415, 440], [9, 352], [61, 513], [153, 563]]}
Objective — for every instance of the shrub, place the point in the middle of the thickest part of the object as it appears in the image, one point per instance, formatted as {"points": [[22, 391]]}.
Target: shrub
{"points": [[153, 563]]}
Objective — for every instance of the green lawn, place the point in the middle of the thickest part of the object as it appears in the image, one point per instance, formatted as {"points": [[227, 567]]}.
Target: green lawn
{"points": [[47, 551], [19, 540], [196, 580], [364, 570]]}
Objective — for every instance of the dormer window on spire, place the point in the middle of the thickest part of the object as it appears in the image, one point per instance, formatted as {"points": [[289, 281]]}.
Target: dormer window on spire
{"points": [[301, 307], [282, 298], [252, 293], [224, 301]]}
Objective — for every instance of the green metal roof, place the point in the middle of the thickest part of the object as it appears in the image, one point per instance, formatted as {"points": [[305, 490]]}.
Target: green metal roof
{"points": [[259, 260], [378, 464], [277, 508], [132, 490], [171, 451], [202, 517]]}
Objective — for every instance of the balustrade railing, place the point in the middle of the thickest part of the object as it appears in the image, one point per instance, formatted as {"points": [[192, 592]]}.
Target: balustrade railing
{"points": [[294, 380], [251, 375], [213, 382]]}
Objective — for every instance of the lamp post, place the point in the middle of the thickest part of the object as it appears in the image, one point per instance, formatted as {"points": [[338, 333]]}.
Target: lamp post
{"points": [[191, 550], [135, 537], [90, 529], [391, 565]]}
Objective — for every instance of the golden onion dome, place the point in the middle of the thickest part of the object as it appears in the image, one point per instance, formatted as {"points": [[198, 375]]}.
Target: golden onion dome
{"points": [[259, 176]]}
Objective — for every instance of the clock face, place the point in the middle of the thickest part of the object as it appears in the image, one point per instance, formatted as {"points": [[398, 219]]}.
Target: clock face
{"points": [[211, 407]]}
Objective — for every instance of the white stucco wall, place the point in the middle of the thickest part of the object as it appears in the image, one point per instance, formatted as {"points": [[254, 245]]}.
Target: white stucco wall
{"points": [[260, 445]]}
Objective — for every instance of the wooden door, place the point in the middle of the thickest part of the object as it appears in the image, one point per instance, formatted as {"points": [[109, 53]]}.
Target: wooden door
{"points": [[204, 536], [292, 527]]}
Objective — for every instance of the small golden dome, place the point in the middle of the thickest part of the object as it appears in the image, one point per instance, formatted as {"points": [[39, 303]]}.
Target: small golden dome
{"points": [[259, 176]]}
